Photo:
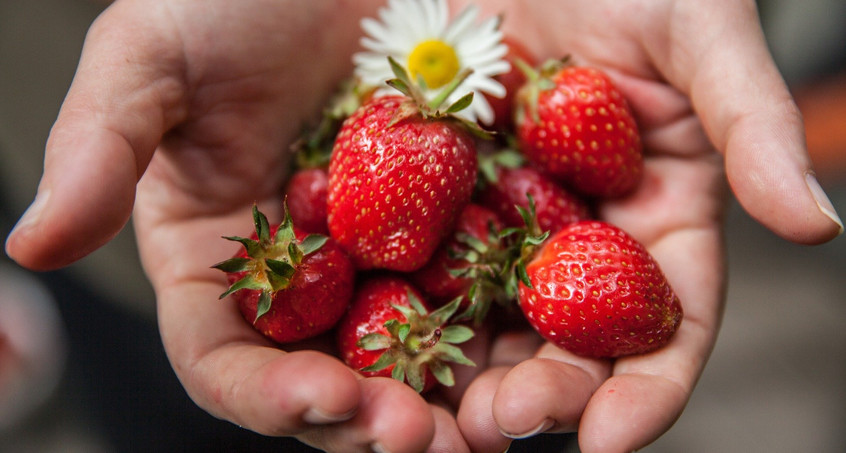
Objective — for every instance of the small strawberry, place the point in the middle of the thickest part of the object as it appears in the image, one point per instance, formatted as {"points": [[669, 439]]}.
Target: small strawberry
{"points": [[512, 80], [462, 260], [305, 195], [555, 206], [594, 290], [288, 284], [574, 123], [388, 332], [400, 173]]}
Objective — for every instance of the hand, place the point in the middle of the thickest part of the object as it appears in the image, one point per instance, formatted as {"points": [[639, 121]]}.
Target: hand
{"points": [[673, 60], [202, 99]]}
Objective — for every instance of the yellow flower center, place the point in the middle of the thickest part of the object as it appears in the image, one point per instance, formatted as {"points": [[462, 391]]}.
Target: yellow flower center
{"points": [[435, 62]]}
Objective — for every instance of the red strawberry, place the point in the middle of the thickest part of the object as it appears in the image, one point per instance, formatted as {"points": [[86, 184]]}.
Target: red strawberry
{"points": [[448, 274], [388, 332], [305, 195], [288, 284], [594, 290], [512, 80], [574, 124], [556, 207], [399, 175]]}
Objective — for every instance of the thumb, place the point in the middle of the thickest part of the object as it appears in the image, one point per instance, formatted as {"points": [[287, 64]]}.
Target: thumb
{"points": [[751, 117], [104, 136]]}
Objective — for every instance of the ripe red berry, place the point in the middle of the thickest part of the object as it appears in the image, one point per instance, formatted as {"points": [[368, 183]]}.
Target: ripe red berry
{"points": [[439, 278], [555, 206], [288, 285], [397, 182], [305, 195], [594, 290], [389, 332], [574, 124]]}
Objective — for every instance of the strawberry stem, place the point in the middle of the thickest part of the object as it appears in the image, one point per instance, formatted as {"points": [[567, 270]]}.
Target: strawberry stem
{"points": [[438, 100], [433, 339]]}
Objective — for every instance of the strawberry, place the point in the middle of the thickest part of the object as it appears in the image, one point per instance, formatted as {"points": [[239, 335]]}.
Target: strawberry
{"points": [[389, 332], [457, 265], [594, 290], [288, 285], [399, 175], [555, 206], [575, 124], [512, 80], [305, 195]]}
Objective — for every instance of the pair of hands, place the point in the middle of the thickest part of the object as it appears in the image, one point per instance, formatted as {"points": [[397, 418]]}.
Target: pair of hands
{"points": [[200, 97]]}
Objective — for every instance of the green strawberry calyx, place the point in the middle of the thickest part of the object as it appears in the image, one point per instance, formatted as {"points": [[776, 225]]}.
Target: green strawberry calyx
{"points": [[487, 265], [537, 80], [417, 103], [524, 244], [425, 341], [271, 262]]}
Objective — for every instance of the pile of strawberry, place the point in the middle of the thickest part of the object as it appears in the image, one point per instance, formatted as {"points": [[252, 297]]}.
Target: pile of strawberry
{"points": [[414, 227]]}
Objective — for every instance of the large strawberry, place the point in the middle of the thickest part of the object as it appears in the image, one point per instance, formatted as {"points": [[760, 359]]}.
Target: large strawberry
{"points": [[573, 122], [389, 332], [400, 173], [594, 290], [288, 285], [555, 206]]}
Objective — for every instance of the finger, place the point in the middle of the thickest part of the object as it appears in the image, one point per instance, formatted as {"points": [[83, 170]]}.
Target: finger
{"points": [[118, 105], [719, 56], [475, 417], [614, 419], [448, 438], [647, 393], [547, 393], [391, 417], [231, 371]]}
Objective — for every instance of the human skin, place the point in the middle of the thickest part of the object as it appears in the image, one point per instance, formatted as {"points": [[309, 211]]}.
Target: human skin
{"points": [[170, 122]]}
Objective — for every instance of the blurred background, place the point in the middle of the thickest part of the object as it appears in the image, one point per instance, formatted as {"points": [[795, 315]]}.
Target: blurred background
{"points": [[95, 377]]}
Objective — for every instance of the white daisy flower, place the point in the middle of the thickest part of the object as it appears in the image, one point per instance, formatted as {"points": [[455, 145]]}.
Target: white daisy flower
{"points": [[419, 35]]}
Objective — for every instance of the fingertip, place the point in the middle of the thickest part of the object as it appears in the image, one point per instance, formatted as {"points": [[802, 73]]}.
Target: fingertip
{"points": [[825, 206], [629, 412], [475, 414], [317, 386], [775, 184], [397, 418], [25, 225], [447, 438], [539, 394], [84, 199]]}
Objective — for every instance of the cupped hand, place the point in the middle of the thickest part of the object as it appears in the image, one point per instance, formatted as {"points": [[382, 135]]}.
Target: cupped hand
{"points": [[202, 99], [710, 104]]}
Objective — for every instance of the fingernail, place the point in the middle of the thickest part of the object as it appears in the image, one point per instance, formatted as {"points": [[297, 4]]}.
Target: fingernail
{"points": [[823, 202], [319, 417], [378, 448], [33, 212], [545, 425]]}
